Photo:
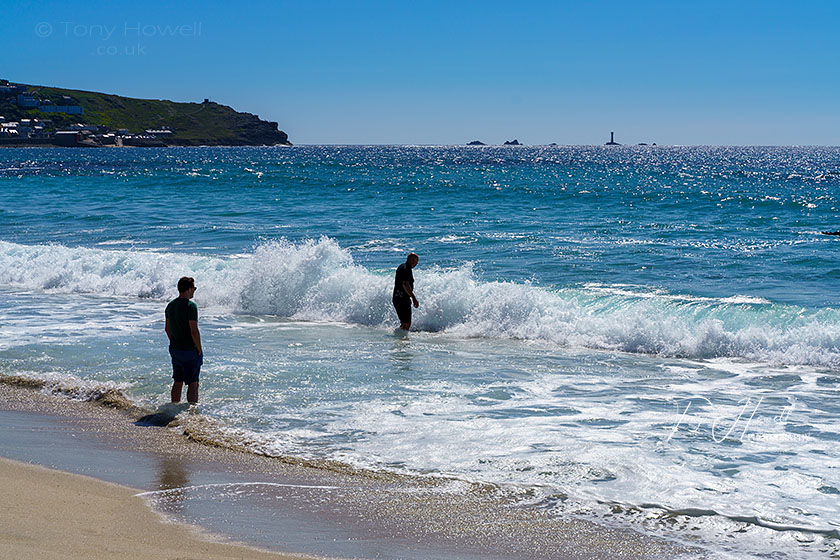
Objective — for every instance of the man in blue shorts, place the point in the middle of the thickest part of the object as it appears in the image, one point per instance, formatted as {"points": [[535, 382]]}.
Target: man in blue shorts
{"points": [[404, 290], [184, 341]]}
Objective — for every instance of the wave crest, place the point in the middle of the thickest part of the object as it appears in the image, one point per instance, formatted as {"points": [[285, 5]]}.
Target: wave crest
{"points": [[317, 280]]}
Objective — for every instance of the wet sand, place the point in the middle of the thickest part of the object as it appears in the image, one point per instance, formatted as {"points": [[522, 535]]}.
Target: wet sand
{"points": [[282, 504], [49, 514]]}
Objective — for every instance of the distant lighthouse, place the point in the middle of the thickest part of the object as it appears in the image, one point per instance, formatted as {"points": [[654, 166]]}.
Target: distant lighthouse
{"points": [[612, 141]]}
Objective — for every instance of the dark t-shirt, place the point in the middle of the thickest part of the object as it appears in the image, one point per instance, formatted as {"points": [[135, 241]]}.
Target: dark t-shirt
{"points": [[180, 312], [403, 274]]}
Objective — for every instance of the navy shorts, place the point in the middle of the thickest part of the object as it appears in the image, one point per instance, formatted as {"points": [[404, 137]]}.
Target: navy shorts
{"points": [[403, 307], [186, 365]]}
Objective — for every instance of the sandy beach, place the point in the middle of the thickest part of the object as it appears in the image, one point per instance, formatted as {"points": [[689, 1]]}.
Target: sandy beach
{"points": [[49, 514]]}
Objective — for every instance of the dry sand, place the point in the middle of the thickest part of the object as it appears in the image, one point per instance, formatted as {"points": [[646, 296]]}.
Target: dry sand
{"points": [[47, 514]]}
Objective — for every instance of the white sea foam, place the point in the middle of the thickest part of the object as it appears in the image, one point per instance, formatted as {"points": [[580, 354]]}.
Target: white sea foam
{"points": [[317, 280], [127, 273]]}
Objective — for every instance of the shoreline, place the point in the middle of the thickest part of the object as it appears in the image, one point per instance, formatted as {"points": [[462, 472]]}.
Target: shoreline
{"points": [[296, 508]]}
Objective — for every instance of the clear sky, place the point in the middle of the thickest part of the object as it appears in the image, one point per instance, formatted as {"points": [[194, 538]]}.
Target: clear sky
{"points": [[357, 72]]}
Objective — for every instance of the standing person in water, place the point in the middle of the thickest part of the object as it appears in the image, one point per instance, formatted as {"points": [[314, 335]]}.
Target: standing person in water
{"points": [[184, 341], [404, 290]]}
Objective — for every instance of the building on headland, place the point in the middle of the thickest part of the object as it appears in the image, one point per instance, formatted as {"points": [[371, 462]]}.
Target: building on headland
{"points": [[88, 127], [27, 100], [8, 129], [159, 132], [23, 128], [30, 130], [612, 141], [7, 88], [67, 137], [66, 106], [69, 109]]}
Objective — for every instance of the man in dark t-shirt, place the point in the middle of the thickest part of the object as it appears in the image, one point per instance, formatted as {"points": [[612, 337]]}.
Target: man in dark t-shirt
{"points": [[184, 341], [404, 290]]}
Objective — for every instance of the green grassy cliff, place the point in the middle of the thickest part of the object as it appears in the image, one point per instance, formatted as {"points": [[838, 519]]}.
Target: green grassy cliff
{"points": [[192, 123]]}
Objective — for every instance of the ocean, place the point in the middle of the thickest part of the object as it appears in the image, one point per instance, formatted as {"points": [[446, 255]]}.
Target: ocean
{"points": [[648, 337]]}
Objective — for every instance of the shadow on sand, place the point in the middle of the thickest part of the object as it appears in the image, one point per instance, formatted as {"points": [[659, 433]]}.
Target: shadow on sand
{"points": [[165, 414]]}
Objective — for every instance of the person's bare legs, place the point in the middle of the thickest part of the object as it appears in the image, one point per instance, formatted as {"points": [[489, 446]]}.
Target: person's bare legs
{"points": [[192, 393], [176, 391], [405, 326]]}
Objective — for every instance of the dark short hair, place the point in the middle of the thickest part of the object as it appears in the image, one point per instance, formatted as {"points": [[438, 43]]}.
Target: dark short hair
{"points": [[185, 283]]}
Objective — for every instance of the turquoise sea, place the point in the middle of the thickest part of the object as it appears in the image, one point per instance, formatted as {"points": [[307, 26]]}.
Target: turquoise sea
{"points": [[648, 337]]}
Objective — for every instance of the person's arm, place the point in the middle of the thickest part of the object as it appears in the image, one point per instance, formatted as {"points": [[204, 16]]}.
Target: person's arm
{"points": [[407, 289], [166, 328], [196, 336]]}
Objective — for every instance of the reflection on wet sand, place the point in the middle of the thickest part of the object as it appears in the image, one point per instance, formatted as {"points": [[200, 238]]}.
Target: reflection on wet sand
{"points": [[172, 474]]}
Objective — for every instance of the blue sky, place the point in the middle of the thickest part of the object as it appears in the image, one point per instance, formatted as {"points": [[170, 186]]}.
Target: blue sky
{"points": [[450, 72]]}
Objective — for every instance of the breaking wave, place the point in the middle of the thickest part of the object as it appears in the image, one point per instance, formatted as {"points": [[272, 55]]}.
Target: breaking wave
{"points": [[317, 280]]}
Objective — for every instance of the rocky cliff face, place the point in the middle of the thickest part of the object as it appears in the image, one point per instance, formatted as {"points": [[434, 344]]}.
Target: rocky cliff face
{"points": [[243, 129], [252, 128]]}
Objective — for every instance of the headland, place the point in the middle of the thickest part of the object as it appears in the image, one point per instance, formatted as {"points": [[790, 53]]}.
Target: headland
{"points": [[32, 115]]}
